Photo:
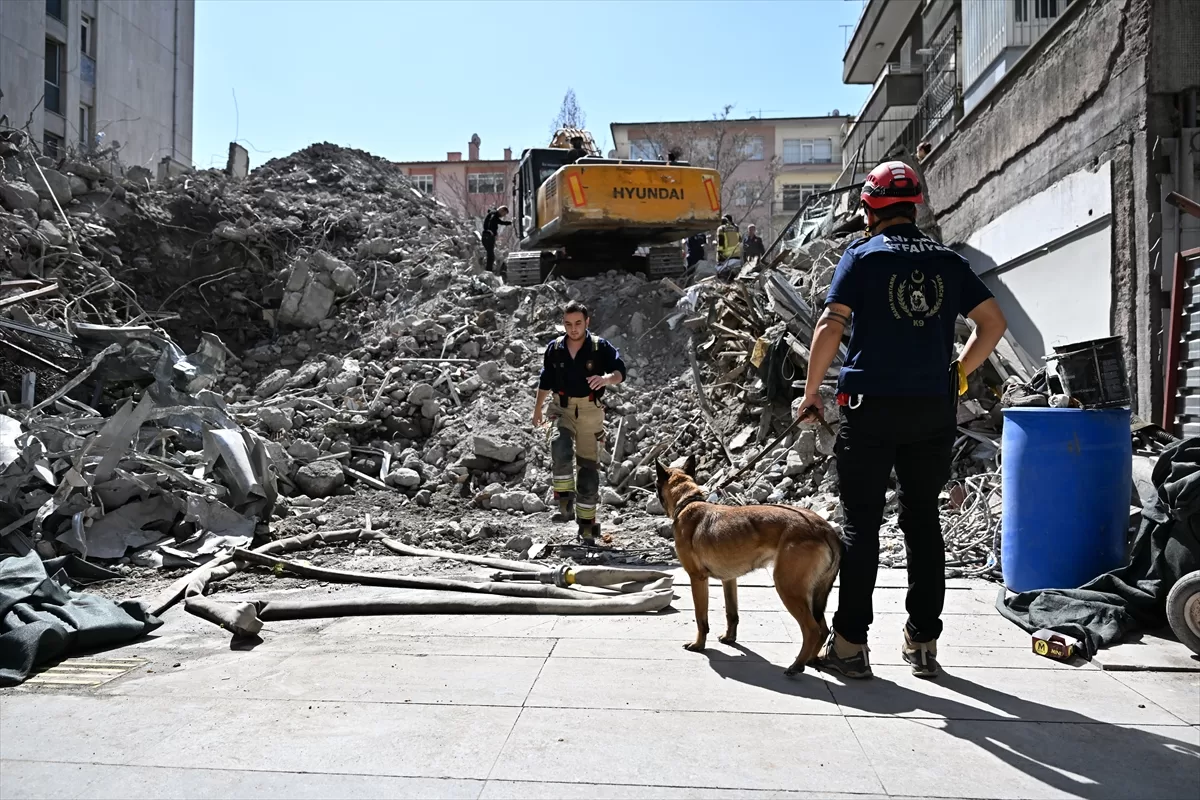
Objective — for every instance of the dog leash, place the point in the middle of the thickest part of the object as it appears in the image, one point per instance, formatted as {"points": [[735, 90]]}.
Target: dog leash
{"points": [[828, 428]]}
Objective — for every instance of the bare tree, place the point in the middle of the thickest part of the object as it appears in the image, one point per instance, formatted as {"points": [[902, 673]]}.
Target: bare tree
{"points": [[726, 145], [570, 115]]}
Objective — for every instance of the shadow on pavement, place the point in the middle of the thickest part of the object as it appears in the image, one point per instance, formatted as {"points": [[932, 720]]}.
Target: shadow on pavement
{"points": [[1063, 749]]}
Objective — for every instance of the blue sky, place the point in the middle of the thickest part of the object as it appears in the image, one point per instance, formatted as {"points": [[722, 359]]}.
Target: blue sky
{"points": [[412, 80]]}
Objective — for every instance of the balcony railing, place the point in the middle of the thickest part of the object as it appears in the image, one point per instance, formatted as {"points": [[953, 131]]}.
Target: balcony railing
{"points": [[992, 26], [872, 140]]}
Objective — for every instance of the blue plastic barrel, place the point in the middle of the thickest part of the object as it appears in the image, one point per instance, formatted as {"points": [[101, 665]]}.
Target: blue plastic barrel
{"points": [[1067, 479]]}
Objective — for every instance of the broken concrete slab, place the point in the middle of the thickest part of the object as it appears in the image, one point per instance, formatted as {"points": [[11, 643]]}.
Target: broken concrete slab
{"points": [[17, 195]]}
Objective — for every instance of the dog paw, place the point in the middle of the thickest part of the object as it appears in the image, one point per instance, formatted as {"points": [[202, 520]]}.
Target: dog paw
{"points": [[726, 639], [694, 647], [793, 671]]}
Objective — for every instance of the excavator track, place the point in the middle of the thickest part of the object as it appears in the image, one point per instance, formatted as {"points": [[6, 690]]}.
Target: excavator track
{"points": [[665, 261], [524, 268], [531, 267]]}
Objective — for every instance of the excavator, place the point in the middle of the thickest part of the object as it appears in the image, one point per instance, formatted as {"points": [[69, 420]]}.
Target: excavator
{"points": [[577, 217]]}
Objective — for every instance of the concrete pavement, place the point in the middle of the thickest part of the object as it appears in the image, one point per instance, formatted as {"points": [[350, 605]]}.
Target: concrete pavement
{"points": [[526, 706]]}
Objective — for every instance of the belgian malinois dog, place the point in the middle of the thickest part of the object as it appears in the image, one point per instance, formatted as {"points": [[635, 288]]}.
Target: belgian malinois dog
{"points": [[726, 542]]}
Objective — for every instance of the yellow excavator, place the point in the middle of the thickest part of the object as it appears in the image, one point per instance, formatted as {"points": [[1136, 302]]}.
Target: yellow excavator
{"points": [[580, 215]]}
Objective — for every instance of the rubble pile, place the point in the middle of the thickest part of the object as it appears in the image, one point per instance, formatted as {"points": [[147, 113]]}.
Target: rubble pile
{"points": [[351, 359], [350, 340], [754, 334]]}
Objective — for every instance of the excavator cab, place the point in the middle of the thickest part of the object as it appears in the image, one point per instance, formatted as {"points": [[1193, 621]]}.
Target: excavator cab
{"points": [[536, 167]]}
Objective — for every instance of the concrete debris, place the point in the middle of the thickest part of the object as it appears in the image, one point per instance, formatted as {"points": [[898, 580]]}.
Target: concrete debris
{"points": [[269, 355], [753, 333]]}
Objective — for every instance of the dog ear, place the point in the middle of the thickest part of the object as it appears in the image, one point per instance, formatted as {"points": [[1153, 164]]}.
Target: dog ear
{"points": [[661, 470], [690, 465]]}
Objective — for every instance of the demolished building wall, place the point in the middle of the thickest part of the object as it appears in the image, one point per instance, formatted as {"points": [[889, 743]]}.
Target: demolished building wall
{"points": [[1076, 101]]}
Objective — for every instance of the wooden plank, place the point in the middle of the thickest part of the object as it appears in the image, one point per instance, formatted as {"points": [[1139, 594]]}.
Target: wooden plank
{"points": [[735, 334], [45, 290]]}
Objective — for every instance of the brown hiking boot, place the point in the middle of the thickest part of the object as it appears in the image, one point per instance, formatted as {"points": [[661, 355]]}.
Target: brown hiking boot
{"points": [[845, 657], [921, 656]]}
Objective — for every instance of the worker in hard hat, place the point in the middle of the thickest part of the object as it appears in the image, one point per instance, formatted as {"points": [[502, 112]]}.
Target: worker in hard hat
{"points": [[729, 245], [897, 396]]}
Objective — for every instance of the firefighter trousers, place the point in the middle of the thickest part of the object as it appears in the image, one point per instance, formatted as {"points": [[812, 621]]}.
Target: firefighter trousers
{"points": [[578, 436]]}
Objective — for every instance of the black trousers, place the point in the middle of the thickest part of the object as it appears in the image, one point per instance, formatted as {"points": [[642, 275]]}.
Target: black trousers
{"points": [[914, 435], [489, 245]]}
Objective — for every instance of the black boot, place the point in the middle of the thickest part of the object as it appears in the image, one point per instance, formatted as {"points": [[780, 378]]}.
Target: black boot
{"points": [[566, 507], [589, 532]]}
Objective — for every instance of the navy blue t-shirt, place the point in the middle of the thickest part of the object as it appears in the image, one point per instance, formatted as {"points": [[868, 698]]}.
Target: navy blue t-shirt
{"points": [[905, 291]]}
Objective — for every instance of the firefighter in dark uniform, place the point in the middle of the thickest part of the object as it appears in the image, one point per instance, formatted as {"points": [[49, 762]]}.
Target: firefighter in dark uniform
{"points": [[576, 369], [491, 228], [897, 395]]}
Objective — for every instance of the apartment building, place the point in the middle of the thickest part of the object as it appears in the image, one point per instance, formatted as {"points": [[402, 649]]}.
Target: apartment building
{"points": [[75, 69], [1058, 128], [470, 186], [768, 166]]}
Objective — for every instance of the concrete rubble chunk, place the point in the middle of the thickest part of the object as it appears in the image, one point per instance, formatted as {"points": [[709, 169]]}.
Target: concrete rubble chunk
{"points": [[52, 235], [420, 393], [305, 451], [50, 184], [498, 450], [404, 478], [320, 478], [272, 384], [276, 419], [18, 195]]}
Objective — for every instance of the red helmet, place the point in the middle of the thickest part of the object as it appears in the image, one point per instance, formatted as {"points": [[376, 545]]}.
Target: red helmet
{"points": [[890, 183]]}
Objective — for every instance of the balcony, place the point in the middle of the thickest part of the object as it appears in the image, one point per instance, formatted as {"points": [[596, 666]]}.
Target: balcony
{"points": [[996, 32], [888, 110], [907, 106], [880, 28]]}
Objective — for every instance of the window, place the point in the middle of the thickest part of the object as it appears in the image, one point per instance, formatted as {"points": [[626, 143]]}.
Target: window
{"points": [[645, 150], [808, 151], [86, 35], [794, 194], [422, 183], [54, 8], [85, 127], [752, 148], [744, 194], [54, 67], [52, 145], [485, 183], [1042, 9]]}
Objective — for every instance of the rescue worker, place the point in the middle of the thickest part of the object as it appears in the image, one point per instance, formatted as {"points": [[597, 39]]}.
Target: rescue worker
{"points": [[576, 152], [576, 369], [897, 395], [729, 242], [923, 150], [752, 245], [673, 155], [491, 227], [695, 248]]}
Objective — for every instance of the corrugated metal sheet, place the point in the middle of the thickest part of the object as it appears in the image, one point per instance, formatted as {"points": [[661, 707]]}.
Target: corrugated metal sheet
{"points": [[1187, 406]]}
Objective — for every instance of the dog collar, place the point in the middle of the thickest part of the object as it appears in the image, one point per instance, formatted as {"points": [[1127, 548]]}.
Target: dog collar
{"points": [[687, 501]]}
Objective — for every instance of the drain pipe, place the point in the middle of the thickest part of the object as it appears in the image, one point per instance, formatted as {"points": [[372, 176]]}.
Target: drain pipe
{"points": [[175, 86]]}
